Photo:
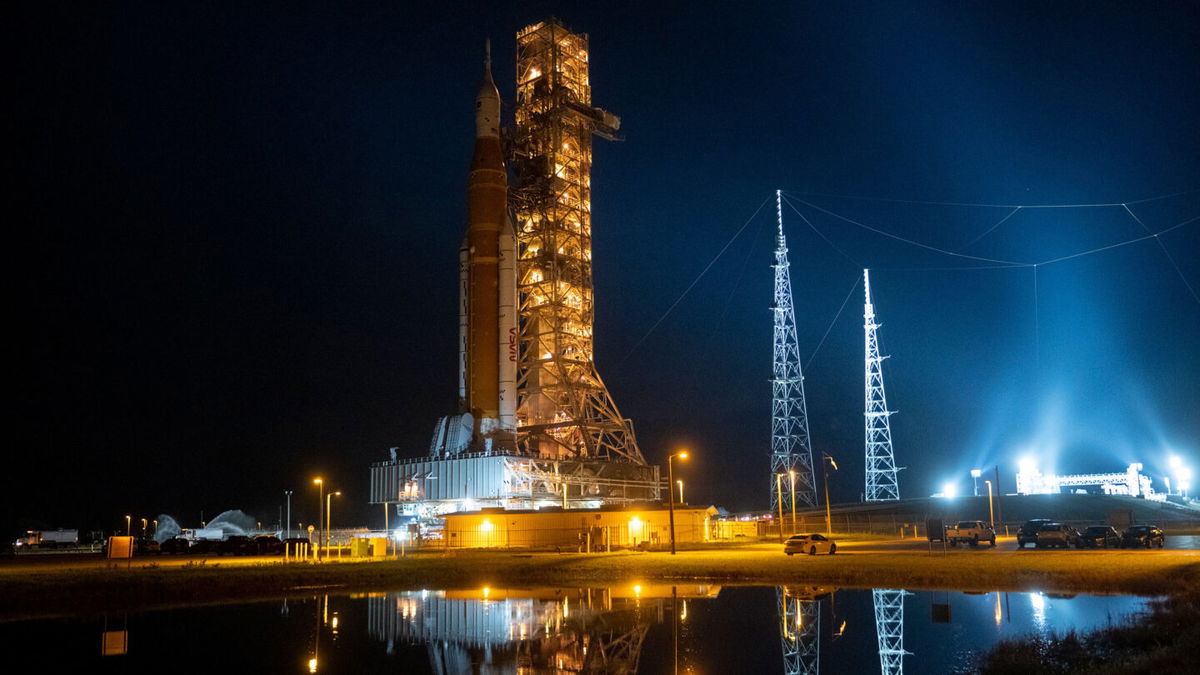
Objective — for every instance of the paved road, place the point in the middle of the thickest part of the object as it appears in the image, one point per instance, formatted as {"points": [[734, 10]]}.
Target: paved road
{"points": [[850, 546]]}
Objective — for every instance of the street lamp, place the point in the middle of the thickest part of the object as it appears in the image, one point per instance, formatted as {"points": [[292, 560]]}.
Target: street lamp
{"points": [[679, 482], [682, 454], [156, 527], [779, 502], [991, 513], [288, 494], [975, 474], [128, 520], [320, 514], [329, 517], [828, 513], [145, 523], [792, 473]]}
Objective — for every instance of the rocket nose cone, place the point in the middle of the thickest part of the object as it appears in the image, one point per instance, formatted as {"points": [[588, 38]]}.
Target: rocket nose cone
{"points": [[487, 111], [487, 101]]}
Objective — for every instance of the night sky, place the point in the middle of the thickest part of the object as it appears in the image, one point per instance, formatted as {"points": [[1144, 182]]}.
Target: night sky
{"points": [[236, 232]]}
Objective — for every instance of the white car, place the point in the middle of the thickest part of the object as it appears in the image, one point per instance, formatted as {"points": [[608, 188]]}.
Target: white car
{"points": [[811, 544]]}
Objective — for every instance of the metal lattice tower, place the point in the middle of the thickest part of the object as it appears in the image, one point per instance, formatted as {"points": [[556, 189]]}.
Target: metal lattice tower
{"points": [[889, 629], [564, 411], [799, 632], [882, 483], [791, 447]]}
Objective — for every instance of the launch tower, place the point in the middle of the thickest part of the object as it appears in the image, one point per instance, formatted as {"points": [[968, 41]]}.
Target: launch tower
{"points": [[564, 411], [535, 425], [791, 448], [882, 482]]}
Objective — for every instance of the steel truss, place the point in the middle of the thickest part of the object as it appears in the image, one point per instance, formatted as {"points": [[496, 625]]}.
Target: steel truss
{"points": [[799, 631], [563, 408], [882, 482], [889, 629], [571, 481], [791, 447]]}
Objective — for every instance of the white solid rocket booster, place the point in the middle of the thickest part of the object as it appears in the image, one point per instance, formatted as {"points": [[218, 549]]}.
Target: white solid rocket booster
{"points": [[508, 326]]}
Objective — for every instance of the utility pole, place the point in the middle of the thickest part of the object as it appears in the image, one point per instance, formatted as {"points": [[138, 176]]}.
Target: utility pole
{"points": [[288, 494], [999, 494]]}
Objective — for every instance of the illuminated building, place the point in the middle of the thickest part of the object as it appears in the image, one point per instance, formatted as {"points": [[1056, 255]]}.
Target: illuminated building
{"points": [[536, 425], [586, 529], [1131, 482]]}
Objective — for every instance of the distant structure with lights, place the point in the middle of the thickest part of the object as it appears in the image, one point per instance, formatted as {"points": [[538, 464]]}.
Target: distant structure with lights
{"points": [[882, 482], [536, 425], [1131, 482], [791, 447]]}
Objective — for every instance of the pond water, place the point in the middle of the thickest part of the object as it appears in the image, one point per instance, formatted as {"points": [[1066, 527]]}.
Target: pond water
{"points": [[619, 629]]}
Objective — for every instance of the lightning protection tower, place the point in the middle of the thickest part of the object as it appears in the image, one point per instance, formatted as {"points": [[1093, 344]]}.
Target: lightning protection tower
{"points": [[791, 448], [882, 483], [564, 411]]}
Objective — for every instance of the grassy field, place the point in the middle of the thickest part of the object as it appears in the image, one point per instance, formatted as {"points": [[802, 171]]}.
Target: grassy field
{"points": [[861, 562]]}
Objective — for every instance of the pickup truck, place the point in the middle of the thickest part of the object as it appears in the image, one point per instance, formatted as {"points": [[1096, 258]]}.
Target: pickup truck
{"points": [[970, 532]]}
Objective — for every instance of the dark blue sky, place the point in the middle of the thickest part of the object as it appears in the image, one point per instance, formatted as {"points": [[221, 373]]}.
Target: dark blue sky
{"points": [[237, 231]]}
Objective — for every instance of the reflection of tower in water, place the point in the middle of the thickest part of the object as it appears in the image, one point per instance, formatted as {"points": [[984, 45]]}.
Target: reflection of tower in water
{"points": [[500, 630], [889, 629], [799, 610]]}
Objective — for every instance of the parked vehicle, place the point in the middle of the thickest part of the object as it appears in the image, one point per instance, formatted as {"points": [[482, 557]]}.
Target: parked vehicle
{"points": [[48, 539], [237, 544], [1057, 535], [205, 546], [1027, 533], [146, 546], [1099, 536], [970, 532], [268, 544], [175, 545], [1143, 536], [811, 544]]}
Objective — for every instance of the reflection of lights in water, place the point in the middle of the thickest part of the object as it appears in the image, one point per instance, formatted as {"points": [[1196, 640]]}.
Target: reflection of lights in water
{"points": [[997, 608], [683, 614], [486, 592], [1038, 602], [312, 665], [637, 591]]}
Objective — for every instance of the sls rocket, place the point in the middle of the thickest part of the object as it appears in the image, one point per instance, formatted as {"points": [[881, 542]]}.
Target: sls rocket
{"points": [[487, 285]]}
